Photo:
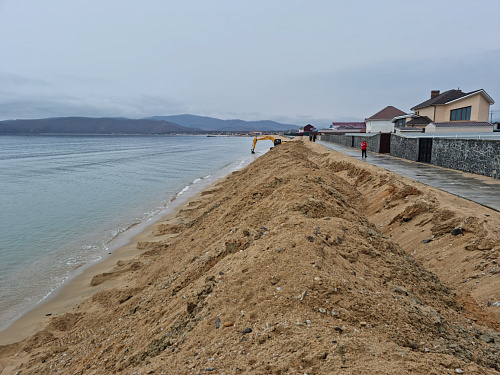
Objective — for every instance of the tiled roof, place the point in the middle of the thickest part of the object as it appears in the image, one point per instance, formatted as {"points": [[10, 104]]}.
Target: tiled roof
{"points": [[388, 113], [461, 124], [446, 97], [420, 120]]}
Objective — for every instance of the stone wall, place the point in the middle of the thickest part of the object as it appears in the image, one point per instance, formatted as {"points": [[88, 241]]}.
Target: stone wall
{"points": [[468, 155], [343, 140], [405, 148], [373, 140]]}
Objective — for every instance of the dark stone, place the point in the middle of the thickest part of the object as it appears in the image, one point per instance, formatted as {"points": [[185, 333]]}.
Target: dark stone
{"points": [[231, 247], [487, 338], [339, 240], [191, 306], [427, 241], [407, 218], [248, 330], [133, 311], [310, 238], [338, 329], [217, 323], [456, 231]]}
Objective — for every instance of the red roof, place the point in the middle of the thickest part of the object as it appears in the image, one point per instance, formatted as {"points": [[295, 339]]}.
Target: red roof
{"points": [[388, 113]]}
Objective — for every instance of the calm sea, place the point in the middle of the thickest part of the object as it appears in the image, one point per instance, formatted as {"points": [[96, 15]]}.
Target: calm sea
{"points": [[65, 200]]}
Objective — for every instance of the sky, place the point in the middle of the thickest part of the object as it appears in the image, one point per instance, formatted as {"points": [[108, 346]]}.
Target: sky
{"points": [[292, 61]]}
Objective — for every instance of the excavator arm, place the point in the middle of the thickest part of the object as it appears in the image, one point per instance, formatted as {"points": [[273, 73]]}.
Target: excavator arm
{"points": [[276, 141]]}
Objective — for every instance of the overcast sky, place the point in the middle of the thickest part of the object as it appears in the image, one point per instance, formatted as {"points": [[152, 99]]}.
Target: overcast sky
{"points": [[293, 61]]}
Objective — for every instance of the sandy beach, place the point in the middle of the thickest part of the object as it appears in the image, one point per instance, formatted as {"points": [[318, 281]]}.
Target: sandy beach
{"points": [[306, 261], [79, 288]]}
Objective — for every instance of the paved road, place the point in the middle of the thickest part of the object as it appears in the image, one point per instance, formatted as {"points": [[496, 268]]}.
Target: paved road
{"points": [[477, 188]]}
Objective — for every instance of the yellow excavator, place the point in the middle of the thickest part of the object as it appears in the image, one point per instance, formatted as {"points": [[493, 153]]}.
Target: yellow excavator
{"points": [[276, 141]]}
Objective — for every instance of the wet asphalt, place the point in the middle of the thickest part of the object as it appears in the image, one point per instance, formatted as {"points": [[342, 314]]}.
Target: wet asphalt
{"points": [[477, 188]]}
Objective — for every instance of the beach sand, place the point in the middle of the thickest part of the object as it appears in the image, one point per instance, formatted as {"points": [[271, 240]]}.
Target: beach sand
{"points": [[306, 261]]}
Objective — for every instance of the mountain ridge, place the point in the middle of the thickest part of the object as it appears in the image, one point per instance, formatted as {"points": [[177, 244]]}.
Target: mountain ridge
{"points": [[91, 125], [215, 124], [120, 125]]}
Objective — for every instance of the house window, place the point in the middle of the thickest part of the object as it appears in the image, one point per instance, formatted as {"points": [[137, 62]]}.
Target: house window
{"points": [[401, 122], [460, 114]]}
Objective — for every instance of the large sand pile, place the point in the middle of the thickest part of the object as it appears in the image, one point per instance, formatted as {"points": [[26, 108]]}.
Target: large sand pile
{"points": [[307, 261]]}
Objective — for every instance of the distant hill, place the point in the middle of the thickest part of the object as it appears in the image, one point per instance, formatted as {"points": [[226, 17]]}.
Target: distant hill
{"points": [[90, 125], [215, 124]]}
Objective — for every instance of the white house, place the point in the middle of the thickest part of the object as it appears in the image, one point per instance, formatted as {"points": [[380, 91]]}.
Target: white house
{"points": [[381, 122]]}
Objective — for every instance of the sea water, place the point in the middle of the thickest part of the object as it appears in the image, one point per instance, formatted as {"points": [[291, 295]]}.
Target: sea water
{"points": [[64, 200]]}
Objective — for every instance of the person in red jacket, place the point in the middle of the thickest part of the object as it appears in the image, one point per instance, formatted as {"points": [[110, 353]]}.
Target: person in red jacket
{"points": [[364, 146]]}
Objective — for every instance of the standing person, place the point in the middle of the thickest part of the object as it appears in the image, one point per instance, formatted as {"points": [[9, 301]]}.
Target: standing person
{"points": [[364, 146]]}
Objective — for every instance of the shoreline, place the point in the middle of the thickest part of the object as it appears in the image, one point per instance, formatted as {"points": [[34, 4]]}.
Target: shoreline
{"points": [[78, 288]]}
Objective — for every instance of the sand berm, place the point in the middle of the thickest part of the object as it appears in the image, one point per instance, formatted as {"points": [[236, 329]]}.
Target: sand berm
{"points": [[305, 262]]}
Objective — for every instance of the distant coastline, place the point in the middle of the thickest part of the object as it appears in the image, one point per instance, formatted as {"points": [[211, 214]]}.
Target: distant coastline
{"points": [[159, 125]]}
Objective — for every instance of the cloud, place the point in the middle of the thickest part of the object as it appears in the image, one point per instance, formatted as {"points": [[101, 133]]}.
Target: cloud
{"points": [[13, 81], [35, 106]]}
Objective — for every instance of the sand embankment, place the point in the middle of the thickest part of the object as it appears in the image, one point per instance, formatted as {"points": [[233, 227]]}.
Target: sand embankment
{"points": [[306, 261]]}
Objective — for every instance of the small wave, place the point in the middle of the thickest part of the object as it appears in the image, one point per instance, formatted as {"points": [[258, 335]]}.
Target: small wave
{"points": [[183, 191], [115, 233], [51, 291], [187, 187]]}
